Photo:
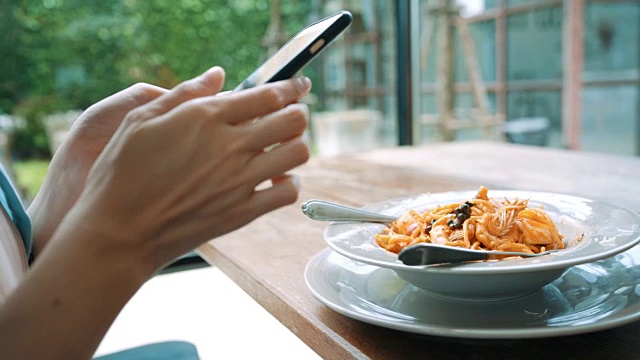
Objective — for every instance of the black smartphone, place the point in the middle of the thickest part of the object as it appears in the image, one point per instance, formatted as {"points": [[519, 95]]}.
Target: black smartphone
{"points": [[299, 51]]}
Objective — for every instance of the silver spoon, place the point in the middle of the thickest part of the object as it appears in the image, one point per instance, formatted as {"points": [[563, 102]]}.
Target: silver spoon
{"points": [[326, 211], [419, 254]]}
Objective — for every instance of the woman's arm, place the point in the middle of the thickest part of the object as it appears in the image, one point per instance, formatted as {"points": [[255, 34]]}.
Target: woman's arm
{"points": [[180, 170], [68, 300]]}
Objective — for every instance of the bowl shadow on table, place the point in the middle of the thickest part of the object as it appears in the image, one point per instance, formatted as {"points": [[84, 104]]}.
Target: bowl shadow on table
{"points": [[566, 347]]}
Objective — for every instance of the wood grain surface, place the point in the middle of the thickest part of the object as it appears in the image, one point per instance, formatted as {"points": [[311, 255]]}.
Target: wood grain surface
{"points": [[267, 258]]}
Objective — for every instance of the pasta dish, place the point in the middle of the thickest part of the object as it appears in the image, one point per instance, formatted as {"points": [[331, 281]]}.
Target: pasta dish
{"points": [[481, 223]]}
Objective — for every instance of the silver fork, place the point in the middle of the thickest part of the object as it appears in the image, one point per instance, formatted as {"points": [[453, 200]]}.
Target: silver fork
{"points": [[430, 254]]}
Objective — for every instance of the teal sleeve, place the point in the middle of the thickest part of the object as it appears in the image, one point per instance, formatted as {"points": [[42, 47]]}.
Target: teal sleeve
{"points": [[169, 350], [14, 207]]}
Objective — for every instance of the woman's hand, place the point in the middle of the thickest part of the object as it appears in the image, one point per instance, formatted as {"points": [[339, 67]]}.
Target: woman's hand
{"points": [[87, 138], [72, 161], [184, 168]]}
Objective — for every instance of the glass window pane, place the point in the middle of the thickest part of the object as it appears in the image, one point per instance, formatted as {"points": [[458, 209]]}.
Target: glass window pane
{"points": [[356, 94], [464, 110], [73, 53], [534, 45], [475, 7], [610, 119], [428, 128], [527, 105], [513, 3], [612, 41], [483, 35], [428, 104], [491, 4], [427, 43], [464, 104]]}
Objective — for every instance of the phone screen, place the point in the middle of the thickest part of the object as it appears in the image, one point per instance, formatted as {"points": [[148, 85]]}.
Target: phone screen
{"points": [[298, 51]]}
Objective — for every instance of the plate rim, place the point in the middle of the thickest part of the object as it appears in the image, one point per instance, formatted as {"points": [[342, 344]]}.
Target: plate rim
{"points": [[477, 333]]}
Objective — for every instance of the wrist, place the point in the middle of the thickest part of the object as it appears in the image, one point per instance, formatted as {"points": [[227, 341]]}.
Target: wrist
{"points": [[105, 238]]}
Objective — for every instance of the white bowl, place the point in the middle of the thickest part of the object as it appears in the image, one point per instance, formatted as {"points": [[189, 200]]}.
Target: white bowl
{"points": [[592, 230]]}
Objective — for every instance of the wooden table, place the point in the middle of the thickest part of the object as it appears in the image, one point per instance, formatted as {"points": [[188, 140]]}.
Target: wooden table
{"points": [[267, 258]]}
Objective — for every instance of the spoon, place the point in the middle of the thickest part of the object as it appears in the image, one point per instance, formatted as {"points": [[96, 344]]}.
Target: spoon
{"points": [[326, 211], [419, 254]]}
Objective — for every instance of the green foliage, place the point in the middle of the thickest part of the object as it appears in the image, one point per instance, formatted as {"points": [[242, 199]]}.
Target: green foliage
{"points": [[29, 176], [29, 138], [60, 55], [83, 50]]}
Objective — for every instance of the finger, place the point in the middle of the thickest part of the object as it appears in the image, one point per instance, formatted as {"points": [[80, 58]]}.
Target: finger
{"points": [[259, 203], [135, 96], [278, 161], [277, 127], [120, 103], [244, 105], [207, 84], [280, 194]]}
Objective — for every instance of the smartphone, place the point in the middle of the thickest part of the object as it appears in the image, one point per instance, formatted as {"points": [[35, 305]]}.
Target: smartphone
{"points": [[299, 51]]}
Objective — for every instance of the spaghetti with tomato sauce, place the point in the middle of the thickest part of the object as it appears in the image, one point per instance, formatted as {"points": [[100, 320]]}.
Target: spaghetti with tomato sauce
{"points": [[481, 223]]}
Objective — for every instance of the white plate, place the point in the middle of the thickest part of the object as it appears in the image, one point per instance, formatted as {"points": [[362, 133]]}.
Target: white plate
{"points": [[586, 298], [592, 230]]}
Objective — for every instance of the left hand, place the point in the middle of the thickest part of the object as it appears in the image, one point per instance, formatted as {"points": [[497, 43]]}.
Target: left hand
{"points": [[89, 135]]}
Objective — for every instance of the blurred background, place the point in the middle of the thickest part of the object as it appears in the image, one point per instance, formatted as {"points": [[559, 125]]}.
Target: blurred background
{"points": [[408, 72]]}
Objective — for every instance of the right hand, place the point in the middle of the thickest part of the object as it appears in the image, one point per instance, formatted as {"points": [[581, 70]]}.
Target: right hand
{"points": [[71, 163], [183, 169]]}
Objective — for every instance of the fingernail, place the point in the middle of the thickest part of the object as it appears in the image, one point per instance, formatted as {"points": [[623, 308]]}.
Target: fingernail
{"points": [[304, 83], [306, 138], [296, 182], [215, 69]]}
